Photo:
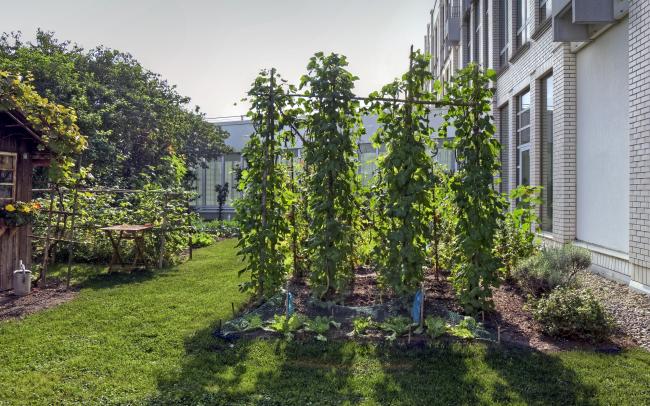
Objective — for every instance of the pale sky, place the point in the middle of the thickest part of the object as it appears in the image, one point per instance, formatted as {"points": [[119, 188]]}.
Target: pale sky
{"points": [[213, 49]]}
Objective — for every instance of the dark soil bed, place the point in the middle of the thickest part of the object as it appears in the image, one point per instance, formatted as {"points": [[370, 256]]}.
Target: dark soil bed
{"points": [[510, 322], [17, 307]]}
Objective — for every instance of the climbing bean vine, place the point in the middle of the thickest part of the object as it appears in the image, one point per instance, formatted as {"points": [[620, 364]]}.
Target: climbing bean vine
{"points": [[407, 178], [332, 127], [479, 206], [262, 211]]}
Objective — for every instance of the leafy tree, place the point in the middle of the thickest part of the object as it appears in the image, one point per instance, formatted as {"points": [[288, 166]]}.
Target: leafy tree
{"points": [[263, 210], [131, 116], [480, 207], [333, 126], [222, 195], [407, 178], [57, 124]]}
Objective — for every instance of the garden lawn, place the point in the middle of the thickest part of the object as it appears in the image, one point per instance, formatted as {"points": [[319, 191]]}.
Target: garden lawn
{"points": [[146, 338]]}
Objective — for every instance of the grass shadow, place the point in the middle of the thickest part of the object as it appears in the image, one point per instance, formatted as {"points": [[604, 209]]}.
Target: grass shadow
{"points": [[262, 371]]}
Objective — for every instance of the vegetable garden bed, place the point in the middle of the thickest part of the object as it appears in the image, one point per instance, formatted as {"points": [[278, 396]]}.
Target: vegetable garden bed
{"points": [[510, 323]]}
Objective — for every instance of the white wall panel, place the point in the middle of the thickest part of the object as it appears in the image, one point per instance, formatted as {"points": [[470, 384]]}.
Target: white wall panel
{"points": [[603, 174]]}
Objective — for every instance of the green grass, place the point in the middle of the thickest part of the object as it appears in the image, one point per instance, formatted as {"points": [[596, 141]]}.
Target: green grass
{"points": [[146, 338]]}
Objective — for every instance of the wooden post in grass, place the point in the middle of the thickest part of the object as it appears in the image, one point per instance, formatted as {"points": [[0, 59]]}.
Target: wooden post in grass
{"points": [[71, 234], [191, 228], [163, 225], [46, 247]]}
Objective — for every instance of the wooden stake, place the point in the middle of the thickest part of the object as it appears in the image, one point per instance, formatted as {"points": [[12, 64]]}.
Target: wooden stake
{"points": [[72, 224], [46, 247]]}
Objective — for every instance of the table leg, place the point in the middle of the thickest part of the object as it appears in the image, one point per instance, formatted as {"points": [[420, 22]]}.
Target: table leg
{"points": [[138, 241], [116, 250]]}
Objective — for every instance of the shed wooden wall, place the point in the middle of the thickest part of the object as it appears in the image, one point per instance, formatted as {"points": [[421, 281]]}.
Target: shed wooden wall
{"points": [[16, 245]]}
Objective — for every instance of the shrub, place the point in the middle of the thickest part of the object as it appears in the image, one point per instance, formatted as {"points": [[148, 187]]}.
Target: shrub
{"points": [[572, 313], [217, 228], [201, 240], [551, 268], [515, 239]]}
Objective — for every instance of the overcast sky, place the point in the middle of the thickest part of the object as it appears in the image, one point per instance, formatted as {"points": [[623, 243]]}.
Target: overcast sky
{"points": [[212, 49]]}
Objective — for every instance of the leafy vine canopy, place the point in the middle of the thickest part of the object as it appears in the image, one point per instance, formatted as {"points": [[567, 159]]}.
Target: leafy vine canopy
{"points": [[56, 124]]}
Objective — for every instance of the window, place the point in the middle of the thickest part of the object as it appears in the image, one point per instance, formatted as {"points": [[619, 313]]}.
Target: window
{"points": [[504, 32], [367, 162], [523, 15], [504, 137], [547, 154], [486, 35], [476, 41], [545, 8], [7, 176], [523, 139], [232, 165]]}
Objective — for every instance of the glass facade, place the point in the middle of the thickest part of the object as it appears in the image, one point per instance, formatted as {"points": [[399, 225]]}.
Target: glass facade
{"points": [[504, 138], [368, 155], [523, 16], [545, 10], [546, 217], [523, 139], [504, 31]]}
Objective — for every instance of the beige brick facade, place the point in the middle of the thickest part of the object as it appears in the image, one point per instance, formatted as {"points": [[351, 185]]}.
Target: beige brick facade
{"points": [[526, 67], [639, 91]]}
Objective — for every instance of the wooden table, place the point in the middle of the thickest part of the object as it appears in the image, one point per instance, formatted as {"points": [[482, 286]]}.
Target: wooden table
{"points": [[127, 232]]}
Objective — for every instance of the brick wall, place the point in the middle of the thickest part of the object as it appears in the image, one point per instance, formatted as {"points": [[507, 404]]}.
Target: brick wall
{"points": [[639, 86]]}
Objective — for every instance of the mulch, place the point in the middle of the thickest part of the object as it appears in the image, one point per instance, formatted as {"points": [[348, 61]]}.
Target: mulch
{"points": [[17, 307]]}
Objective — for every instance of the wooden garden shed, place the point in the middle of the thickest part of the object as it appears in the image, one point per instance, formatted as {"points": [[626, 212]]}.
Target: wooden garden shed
{"points": [[19, 154]]}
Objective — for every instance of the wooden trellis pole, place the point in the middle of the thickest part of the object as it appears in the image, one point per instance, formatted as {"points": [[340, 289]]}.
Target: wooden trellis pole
{"points": [[46, 250]]}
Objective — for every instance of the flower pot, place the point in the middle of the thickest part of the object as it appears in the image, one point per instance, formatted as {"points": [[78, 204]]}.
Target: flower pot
{"points": [[22, 282]]}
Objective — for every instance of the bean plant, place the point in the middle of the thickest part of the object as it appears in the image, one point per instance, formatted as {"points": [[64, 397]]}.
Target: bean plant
{"points": [[262, 211], [333, 126], [407, 178], [479, 206]]}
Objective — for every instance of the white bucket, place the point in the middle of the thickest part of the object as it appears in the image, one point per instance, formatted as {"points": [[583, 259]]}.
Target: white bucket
{"points": [[22, 281]]}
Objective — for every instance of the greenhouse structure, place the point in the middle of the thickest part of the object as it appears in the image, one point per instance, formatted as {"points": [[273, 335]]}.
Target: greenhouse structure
{"points": [[224, 169]]}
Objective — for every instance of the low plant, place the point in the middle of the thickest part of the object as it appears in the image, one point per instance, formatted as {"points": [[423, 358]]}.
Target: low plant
{"points": [[515, 239], [551, 268], [320, 325], [573, 313], [200, 240], [436, 326], [396, 326], [218, 228], [466, 329], [286, 326], [249, 323], [361, 324]]}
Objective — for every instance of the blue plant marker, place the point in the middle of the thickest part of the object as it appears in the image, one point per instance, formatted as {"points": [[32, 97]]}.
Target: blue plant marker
{"points": [[289, 304], [417, 302]]}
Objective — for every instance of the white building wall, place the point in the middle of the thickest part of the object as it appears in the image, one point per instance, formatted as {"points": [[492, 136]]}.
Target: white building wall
{"points": [[603, 141]]}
